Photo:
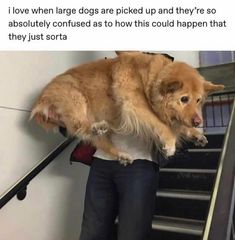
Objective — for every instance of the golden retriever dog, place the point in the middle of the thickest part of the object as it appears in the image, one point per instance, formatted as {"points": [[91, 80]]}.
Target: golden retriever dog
{"points": [[135, 93]]}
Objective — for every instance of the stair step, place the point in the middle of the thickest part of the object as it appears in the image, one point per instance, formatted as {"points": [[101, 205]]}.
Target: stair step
{"points": [[187, 178], [182, 204], [182, 207], [197, 159], [192, 195], [178, 225]]}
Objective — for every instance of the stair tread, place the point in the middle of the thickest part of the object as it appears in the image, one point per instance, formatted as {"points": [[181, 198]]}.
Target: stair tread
{"points": [[184, 194], [179, 225], [192, 160]]}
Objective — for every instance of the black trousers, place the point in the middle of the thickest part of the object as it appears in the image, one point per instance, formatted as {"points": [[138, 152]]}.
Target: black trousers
{"points": [[128, 193]]}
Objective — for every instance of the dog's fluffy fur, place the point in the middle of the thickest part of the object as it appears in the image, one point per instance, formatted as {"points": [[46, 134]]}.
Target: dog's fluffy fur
{"points": [[134, 93]]}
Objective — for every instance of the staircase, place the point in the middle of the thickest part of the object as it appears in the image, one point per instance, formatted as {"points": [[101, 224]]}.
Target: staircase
{"points": [[185, 188]]}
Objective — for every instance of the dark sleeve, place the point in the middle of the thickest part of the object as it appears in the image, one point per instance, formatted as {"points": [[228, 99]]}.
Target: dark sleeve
{"points": [[63, 131]]}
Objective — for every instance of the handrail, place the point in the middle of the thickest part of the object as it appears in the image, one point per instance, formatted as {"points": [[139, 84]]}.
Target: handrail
{"points": [[219, 221], [20, 187]]}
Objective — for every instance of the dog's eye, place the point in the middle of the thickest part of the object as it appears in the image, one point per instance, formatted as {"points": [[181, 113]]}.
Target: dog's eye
{"points": [[198, 100], [184, 99]]}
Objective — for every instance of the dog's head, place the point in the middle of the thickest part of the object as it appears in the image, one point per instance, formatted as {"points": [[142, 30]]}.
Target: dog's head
{"points": [[179, 93]]}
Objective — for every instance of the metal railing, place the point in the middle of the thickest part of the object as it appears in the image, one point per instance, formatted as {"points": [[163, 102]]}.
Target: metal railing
{"points": [[217, 109], [19, 189], [220, 221]]}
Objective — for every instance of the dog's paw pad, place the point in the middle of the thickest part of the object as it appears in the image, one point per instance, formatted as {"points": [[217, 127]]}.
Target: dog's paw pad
{"points": [[99, 128], [125, 159], [201, 141]]}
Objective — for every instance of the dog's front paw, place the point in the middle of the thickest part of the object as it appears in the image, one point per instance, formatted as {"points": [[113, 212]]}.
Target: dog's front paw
{"points": [[200, 140], [169, 150], [99, 128], [124, 159]]}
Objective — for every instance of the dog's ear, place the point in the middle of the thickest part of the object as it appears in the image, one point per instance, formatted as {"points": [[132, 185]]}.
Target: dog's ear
{"points": [[170, 86], [210, 87], [126, 52], [119, 52]]}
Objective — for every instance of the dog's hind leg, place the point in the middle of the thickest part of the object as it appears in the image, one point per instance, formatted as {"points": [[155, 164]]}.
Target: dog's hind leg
{"points": [[68, 109]]}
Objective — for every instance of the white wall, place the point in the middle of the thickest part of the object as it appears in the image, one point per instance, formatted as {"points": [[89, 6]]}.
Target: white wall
{"points": [[192, 57], [56, 194], [23, 75], [53, 207]]}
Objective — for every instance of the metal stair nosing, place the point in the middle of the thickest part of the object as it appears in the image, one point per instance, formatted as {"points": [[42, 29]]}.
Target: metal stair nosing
{"points": [[187, 170], [178, 225], [209, 150], [179, 194]]}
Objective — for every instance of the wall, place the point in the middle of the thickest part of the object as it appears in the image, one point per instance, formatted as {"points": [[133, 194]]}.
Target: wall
{"points": [[54, 204], [192, 57], [23, 75]]}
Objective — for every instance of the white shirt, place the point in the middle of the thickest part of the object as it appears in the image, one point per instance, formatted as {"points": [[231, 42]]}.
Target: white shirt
{"points": [[132, 145]]}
